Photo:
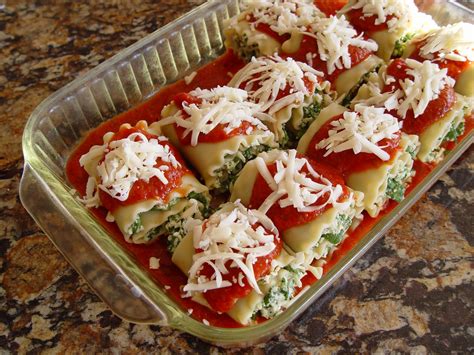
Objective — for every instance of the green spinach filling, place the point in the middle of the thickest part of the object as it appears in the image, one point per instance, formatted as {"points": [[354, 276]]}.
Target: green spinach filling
{"points": [[454, 132], [227, 173], [396, 185], [401, 45], [343, 222], [279, 294], [245, 50], [355, 89], [174, 225]]}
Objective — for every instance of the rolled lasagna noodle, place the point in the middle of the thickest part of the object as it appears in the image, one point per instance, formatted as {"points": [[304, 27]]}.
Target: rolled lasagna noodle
{"points": [[450, 47], [317, 236], [427, 89], [146, 219], [219, 162], [266, 28], [386, 181], [289, 91], [401, 25], [439, 132], [277, 288], [246, 41]]}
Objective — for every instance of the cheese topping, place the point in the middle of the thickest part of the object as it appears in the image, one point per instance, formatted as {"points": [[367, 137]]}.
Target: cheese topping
{"points": [[401, 12], [283, 16], [124, 162], [297, 184], [334, 35], [428, 81], [266, 78], [453, 42], [360, 131], [233, 237], [222, 105]]}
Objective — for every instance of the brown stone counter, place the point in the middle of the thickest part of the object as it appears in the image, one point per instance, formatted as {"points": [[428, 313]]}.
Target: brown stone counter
{"points": [[412, 292]]}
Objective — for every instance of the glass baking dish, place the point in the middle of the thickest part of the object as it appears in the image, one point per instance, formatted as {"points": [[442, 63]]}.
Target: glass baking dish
{"points": [[127, 79]]}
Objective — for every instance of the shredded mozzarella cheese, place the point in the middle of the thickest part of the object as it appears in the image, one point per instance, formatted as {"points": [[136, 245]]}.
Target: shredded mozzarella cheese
{"points": [[283, 16], [307, 191], [453, 42], [396, 13], [265, 78], [230, 239], [154, 263], [360, 131], [222, 105], [334, 35], [124, 162], [428, 81]]}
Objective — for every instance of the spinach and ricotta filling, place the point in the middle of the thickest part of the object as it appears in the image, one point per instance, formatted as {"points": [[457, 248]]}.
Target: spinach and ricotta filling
{"points": [[401, 45], [352, 93], [175, 225], [228, 172], [244, 48], [280, 293]]}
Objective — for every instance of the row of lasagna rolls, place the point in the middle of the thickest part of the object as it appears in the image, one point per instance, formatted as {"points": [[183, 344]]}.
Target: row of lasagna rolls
{"points": [[299, 30], [422, 96], [144, 184], [304, 205]]}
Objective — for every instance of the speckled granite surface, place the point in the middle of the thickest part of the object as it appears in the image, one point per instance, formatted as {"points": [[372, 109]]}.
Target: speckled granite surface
{"points": [[412, 292]]}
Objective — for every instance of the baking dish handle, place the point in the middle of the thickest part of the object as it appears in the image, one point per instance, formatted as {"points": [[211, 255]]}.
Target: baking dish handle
{"points": [[103, 277]]}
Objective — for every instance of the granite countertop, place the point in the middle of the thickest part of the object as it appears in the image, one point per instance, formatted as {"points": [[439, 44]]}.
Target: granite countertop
{"points": [[412, 292]]}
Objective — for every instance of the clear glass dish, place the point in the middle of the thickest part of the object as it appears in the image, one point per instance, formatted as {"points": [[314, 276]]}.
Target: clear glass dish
{"points": [[125, 80]]}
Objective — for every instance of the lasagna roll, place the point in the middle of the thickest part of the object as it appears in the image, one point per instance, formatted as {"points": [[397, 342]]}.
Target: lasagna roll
{"points": [[366, 146], [427, 105], [307, 201], [264, 28], [451, 47], [143, 183], [291, 92], [391, 23], [332, 46], [217, 131], [236, 265]]}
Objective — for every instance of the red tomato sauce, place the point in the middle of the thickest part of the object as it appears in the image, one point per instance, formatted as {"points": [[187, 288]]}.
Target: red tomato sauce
{"points": [[218, 134], [347, 162], [330, 7], [288, 217], [309, 45], [455, 67], [366, 24], [436, 108], [154, 188], [223, 299], [168, 274]]}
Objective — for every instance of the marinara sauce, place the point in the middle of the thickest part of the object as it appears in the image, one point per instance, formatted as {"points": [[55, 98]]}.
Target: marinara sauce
{"points": [[436, 108], [347, 162], [287, 217]]}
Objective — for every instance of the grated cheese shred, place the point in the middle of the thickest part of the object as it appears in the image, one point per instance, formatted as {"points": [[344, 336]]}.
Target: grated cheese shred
{"points": [[396, 13], [360, 131], [266, 78], [283, 16], [453, 42], [334, 35], [230, 239], [428, 81], [222, 105], [123, 162], [297, 184]]}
